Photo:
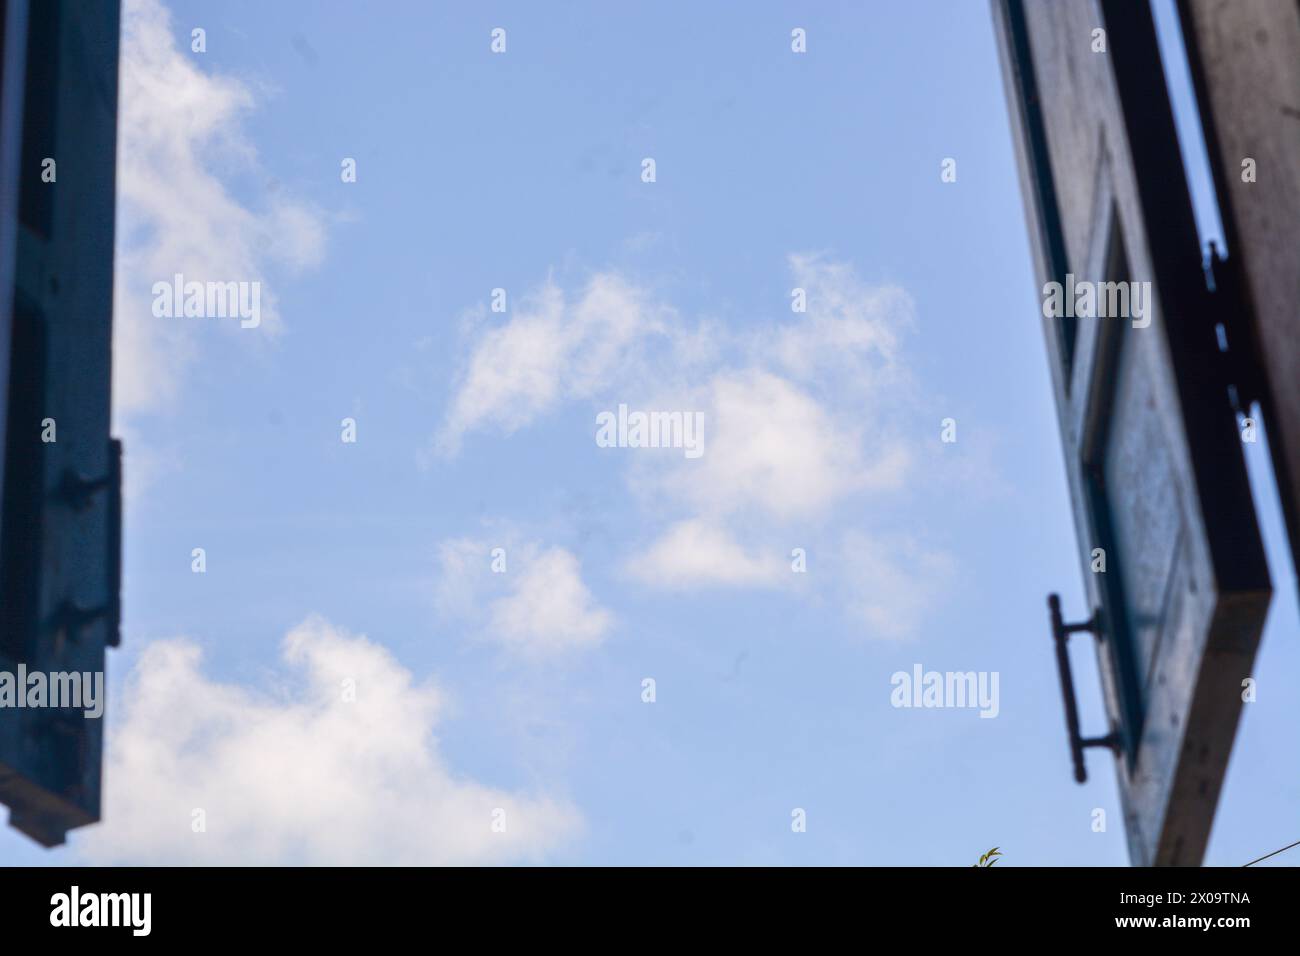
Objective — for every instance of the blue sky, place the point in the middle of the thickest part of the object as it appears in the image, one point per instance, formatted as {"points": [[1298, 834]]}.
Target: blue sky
{"points": [[523, 690]]}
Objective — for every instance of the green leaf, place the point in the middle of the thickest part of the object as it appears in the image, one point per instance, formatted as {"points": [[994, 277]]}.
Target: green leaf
{"points": [[989, 858]]}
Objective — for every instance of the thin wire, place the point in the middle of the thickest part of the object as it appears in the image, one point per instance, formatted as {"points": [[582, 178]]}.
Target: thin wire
{"points": [[1274, 853]]}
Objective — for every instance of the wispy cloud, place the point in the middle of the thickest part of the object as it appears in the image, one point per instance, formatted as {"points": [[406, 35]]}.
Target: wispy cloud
{"points": [[179, 130], [772, 449], [800, 417], [529, 600], [695, 554], [552, 350]]}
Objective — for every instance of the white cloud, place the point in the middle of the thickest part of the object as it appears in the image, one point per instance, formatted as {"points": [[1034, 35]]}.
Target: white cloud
{"points": [[770, 447], [549, 609], [787, 427], [851, 330], [176, 125], [302, 776], [695, 554], [809, 420], [537, 607], [552, 350], [800, 417]]}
